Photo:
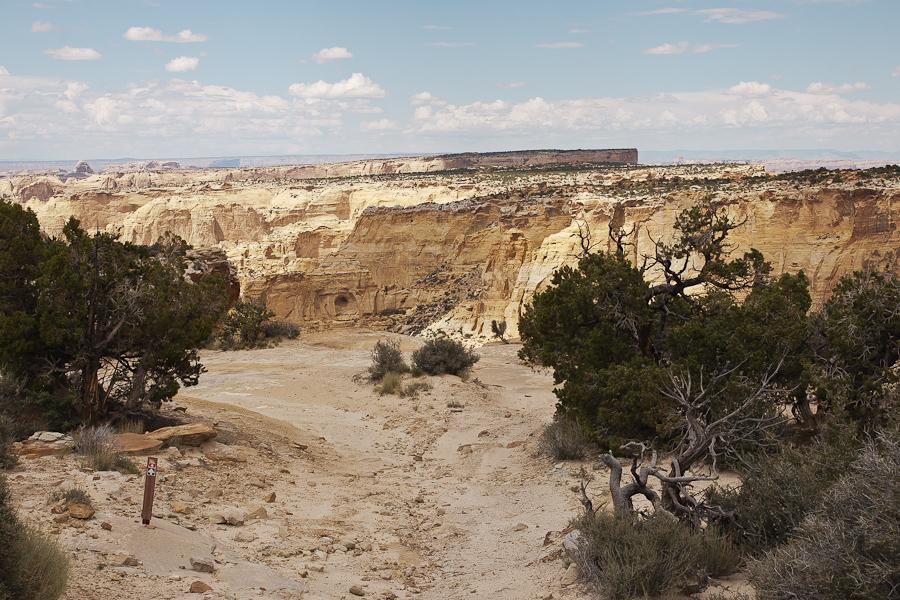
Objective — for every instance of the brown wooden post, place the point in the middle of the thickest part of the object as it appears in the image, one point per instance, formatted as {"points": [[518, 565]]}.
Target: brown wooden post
{"points": [[149, 487]]}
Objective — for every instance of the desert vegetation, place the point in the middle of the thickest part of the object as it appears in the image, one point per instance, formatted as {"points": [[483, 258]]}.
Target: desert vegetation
{"points": [[88, 322], [249, 324], [695, 358]]}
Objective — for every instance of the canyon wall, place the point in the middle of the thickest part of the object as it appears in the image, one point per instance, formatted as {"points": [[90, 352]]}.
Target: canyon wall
{"points": [[450, 252]]}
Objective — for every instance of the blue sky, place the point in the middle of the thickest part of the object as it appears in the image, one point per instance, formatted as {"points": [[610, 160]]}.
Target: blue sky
{"points": [[192, 78]]}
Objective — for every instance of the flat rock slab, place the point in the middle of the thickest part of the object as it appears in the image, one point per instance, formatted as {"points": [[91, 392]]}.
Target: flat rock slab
{"points": [[137, 444], [165, 548], [192, 434]]}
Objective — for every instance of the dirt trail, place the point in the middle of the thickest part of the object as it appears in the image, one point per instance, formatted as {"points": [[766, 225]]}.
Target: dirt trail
{"points": [[443, 495], [448, 482]]}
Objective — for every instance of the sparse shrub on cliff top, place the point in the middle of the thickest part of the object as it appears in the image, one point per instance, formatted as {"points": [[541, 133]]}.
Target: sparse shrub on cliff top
{"points": [[442, 355], [387, 358]]}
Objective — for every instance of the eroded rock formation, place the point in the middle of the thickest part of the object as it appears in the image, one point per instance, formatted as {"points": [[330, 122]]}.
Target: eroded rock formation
{"points": [[452, 251]]}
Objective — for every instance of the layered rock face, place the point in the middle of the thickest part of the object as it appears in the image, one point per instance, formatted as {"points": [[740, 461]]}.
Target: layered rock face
{"points": [[451, 252]]}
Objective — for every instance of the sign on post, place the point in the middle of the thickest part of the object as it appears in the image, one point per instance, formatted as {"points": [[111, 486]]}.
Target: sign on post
{"points": [[149, 487]]}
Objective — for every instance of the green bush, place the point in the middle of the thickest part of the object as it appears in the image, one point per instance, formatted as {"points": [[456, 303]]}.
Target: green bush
{"points": [[391, 383], [386, 358], [778, 490], [622, 558], [7, 459], [245, 323], [32, 564], [442, 355], [848, 546], [564, 439]]}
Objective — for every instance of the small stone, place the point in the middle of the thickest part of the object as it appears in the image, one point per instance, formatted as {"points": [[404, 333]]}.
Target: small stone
{"points": [[420, 499], [203, 565], [258, 513], [484, 433], [316, 568], [81, 511], [233, 516], [181, 507], [61, 518], [57, 509], [198, 587], [357, 590], [270, 498], [515, 444], [441, 512], [245, 536], [106, 526], [125, 560], [570, 577]]}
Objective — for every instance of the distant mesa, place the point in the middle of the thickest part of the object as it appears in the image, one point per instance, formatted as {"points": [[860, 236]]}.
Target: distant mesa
{"points": [[143, 165]]}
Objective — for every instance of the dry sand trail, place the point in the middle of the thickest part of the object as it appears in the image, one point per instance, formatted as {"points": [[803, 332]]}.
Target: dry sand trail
{"points": [[442, 483]]}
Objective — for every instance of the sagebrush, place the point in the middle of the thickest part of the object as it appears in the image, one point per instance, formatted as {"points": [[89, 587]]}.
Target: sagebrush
{"points": [[442, 355], [386, 358]]}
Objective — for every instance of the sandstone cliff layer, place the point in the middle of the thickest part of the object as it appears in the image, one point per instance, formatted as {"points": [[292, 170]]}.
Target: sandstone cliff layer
{"points": [[451, 252]]}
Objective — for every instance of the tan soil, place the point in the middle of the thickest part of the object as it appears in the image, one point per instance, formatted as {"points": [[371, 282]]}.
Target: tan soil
{"points": [[452, 504]]}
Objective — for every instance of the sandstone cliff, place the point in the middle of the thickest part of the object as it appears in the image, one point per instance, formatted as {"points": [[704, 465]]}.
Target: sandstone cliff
{"points": [[452, 251]]}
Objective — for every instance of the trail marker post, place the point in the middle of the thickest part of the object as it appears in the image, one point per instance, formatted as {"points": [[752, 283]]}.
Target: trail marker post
{"points": [[149, 488]]}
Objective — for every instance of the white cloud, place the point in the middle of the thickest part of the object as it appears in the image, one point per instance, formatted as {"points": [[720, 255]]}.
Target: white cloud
{"points": [[381, 125], [426, 98], [42, 27], [3, 71], [830, 88], [679, 48], [450, 44], [148, 34], [182, 64], [357, 86], [661, 11], [701, 48], [512, 85], [558, 45], [328, 54], [736, 15], [68, 53], [750, 89]]}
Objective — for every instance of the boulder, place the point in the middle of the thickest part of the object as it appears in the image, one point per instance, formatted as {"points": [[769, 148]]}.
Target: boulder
{"points": [[198, 587], [203, 564], [192, 434], [137, 444], [81, 511]]}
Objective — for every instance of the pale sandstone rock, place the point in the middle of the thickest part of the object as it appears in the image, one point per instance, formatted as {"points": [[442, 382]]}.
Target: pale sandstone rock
{"points": [[192, 434]]}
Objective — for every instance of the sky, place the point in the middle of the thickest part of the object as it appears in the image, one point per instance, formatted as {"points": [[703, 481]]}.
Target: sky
{"points": [[199, 78]]}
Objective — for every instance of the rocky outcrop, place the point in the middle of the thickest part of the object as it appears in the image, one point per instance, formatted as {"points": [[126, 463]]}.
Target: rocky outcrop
{"points": [[454, 251]]}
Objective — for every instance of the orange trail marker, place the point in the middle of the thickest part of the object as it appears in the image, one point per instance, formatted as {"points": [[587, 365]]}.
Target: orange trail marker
{"points": [[149, 488]]}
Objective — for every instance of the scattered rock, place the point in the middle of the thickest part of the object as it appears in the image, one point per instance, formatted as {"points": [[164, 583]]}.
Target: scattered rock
{"points": [[357, 590], [181, 507], [203, 565], [465, 449], [125, 560], [198, 587], [256, 482], [245, 536], [515, 444], [270, 498], [192, 434], [484, 433], [106, 526], [570, 577], [81, 511], [216, 451], [520, 527], [257, 513], [316, 568], [570, 542], [233, 516]]}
